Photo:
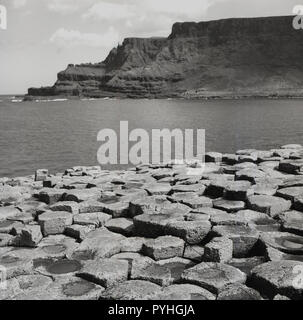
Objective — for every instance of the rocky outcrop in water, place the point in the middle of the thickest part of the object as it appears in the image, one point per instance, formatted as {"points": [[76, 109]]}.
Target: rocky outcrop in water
{"points": [[226, 58], [231, 232]]}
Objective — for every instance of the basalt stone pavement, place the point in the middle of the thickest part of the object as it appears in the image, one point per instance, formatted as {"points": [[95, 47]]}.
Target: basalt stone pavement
{"points": [[231, 229]]}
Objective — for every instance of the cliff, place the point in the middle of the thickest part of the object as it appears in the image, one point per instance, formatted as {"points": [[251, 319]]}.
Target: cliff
{"points": [[224, 58]]}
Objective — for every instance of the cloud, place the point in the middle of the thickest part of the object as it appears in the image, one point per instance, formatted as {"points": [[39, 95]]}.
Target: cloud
{"points": [[134, 17], [72, 38], [184, 8], [110, 11], [146, 17], [118, 9], [68, 6], [19, 3]]}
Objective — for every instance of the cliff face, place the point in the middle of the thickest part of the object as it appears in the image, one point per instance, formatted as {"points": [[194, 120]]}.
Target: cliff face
{"points": [[224, 58]]}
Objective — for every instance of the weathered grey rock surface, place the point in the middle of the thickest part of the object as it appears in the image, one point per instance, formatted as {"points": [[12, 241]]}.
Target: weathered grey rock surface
{"points": [[96, 234]]}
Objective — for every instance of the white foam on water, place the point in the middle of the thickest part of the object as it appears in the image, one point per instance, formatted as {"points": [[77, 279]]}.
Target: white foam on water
{"points": [[59, 100], [51, 100]]}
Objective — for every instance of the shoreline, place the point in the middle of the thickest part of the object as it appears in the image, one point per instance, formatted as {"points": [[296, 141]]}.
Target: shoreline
{"points": [[72, 235], [26, 98], [223, 97]]}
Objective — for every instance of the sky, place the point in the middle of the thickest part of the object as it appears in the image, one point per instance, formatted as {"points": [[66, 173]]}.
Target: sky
{"points": [[44, 36]]}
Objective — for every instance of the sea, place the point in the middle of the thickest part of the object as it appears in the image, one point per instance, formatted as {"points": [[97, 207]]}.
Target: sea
{"points": [[56, 134]]}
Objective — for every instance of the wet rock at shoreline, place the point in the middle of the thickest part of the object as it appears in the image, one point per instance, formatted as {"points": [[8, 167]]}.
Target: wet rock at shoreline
{"points": [[16, 265], [56, 247], [247, 264], [283, 241], [74, 288], [244, 238], [58, 269]]}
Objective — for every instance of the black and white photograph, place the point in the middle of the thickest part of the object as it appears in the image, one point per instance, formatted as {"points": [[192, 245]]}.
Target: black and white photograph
{"points": [[151, 150]]}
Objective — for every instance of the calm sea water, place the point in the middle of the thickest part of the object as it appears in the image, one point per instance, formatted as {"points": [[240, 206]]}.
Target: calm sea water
{"points": [[58, 135]]}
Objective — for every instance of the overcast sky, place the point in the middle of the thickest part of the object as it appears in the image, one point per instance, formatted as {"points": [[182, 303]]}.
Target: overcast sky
{"points": [[43, 36]]}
